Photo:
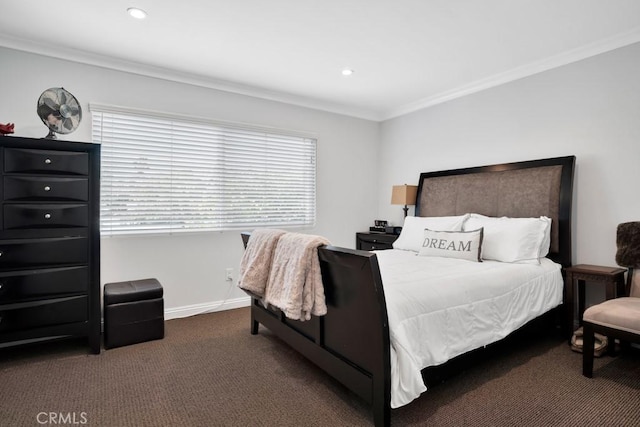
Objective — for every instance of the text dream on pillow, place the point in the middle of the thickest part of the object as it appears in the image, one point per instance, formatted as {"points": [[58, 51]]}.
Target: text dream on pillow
{"points": [[453, 244], [410, 238]]}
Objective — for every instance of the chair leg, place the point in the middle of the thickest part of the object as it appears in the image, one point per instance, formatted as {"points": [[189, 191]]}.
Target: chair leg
{"points": [[588, 339], [625, 345], [611, 346]]}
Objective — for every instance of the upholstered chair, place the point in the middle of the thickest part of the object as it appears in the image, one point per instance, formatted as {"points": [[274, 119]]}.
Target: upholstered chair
{"points": [[620, 317]]}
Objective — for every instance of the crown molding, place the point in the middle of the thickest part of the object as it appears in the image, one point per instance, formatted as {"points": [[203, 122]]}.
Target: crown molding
{"points": [[568, 57], [90, 58]]}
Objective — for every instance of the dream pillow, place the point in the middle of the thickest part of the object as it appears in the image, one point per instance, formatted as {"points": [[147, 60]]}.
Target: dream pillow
{"points": [[453, 244], [522, 240], [412, 233]]}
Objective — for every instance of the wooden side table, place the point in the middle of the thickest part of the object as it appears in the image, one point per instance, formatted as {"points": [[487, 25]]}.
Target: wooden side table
{"points": [[611, 277]]}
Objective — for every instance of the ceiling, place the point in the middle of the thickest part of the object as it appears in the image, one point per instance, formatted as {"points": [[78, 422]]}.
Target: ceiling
{"points": [[406, 54]]}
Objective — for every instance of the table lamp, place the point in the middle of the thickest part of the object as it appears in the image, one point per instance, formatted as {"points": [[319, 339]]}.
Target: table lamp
{"points": [[404, 195]]}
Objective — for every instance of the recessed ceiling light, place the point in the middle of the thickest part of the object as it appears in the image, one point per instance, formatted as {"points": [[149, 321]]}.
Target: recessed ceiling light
{"points": [[347, 72], [137, 13]]}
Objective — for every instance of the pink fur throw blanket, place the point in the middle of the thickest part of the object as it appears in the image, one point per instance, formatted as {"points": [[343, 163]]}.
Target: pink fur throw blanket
{"points": [[256, 261], [295, 282]]}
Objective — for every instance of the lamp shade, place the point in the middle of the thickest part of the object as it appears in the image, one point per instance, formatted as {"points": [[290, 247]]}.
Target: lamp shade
{"points": [[404, 194]]}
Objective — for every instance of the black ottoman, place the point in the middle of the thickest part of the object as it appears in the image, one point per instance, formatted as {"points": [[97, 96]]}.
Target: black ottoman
{"points": [[133, 312]]}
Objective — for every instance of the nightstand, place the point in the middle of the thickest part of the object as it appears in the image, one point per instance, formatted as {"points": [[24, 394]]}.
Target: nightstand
{"points": [[610, 277], [374, 241]]}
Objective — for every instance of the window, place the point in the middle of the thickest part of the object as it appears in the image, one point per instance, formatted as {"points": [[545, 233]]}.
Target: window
{"points": [[166, 174]]}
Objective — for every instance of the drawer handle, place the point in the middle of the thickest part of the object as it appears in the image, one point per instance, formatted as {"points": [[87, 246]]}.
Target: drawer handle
{"points": [[47, 161], [47, 188], [1, 285], [1, 253], [47, 216]]}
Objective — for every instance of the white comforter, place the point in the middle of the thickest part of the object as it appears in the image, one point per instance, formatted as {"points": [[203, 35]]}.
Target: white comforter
{"points": [[439, 308]]}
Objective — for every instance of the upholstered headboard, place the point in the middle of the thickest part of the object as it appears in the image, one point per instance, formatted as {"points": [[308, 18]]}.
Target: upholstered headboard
{"points": [[523, 189]]}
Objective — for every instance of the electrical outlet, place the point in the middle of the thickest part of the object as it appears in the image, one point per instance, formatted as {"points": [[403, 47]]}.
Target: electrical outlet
{"points": [[228, 274]]}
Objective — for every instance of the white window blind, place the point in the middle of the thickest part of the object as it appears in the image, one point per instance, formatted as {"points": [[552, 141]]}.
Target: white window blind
{"points": [[161, 174]]}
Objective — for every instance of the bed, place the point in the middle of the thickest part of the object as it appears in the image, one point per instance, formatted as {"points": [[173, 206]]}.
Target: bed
{"points": [[352, 341]]}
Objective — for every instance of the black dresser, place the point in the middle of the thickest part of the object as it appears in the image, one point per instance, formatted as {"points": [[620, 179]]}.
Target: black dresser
{"points": [[49, 241]]}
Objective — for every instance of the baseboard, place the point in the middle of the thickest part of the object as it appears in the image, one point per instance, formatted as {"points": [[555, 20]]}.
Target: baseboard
{"points": [[192, 310], [208, 307]]}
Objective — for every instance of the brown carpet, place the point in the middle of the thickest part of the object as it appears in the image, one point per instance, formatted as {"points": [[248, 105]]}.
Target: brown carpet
{"points": [[209, 371]]}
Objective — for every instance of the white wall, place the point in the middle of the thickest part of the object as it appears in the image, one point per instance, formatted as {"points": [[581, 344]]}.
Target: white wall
{"points": [[590, 109], [191, 267]]}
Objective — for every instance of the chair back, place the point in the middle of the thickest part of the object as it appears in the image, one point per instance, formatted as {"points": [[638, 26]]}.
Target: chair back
{"points": [[628, 254]]}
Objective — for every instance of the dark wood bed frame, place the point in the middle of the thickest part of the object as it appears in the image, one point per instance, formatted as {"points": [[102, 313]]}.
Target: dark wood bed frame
{"points": [[351, 342]]}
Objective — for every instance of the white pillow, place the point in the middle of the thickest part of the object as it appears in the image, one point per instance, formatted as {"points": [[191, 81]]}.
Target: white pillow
{"points": [[523, 240], [453, 244], [412, 232], [546, 241]]}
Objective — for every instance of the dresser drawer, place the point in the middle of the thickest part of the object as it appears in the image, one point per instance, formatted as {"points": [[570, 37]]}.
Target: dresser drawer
{"points": [[19, 316], [374, 242], [24, 160], [46, 188], [22, 253], [45, 282], [45, 216], [377, 246]]}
